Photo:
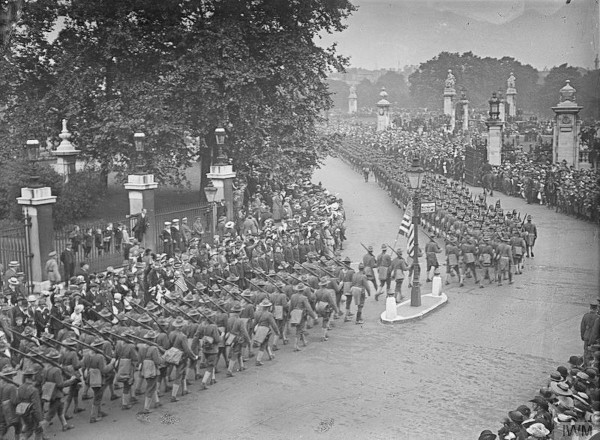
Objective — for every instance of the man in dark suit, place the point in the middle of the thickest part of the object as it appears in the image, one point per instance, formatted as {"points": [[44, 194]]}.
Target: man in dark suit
{"points": [[67, 258], [587, 326], [141, 225]]}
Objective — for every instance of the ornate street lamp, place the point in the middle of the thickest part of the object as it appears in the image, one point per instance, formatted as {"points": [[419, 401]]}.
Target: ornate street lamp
{"points": [[220, 137], [415, 178], [139, 140], [494, 107], [210, 191], [32, 149]]}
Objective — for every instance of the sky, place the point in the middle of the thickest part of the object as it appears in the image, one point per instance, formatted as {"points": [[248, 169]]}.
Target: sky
{"points": [[543, 33]]}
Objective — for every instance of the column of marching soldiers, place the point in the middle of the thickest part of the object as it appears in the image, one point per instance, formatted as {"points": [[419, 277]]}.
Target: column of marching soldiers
{"points": [[482, 241], [167, 320]]}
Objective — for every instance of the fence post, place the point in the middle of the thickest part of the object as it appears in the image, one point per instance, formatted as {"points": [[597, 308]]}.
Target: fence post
{"points": [[37, 207], [141, 196]]}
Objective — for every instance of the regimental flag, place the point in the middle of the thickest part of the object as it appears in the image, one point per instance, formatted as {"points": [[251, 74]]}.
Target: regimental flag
{"points": [[406, 221]]}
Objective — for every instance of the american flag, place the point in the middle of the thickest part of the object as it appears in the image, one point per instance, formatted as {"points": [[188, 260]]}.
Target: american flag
{"points": [[406, 221], [410, 244]]}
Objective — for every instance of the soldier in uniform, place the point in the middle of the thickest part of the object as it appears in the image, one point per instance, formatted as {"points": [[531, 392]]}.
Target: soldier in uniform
{"points": [[383, 263], [299, 305], [518, 245], [178, 340], [398, 271], [98, 375], [531, 230], [8, 397], [360, 285], [54, 375], [325, 304], [28, 396]]}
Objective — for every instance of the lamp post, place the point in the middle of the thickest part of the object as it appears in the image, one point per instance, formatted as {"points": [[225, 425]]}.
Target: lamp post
{"points": [[32, 151], [139, 140], [494, 107], [415, 174], [210, 191], [221, 155]]}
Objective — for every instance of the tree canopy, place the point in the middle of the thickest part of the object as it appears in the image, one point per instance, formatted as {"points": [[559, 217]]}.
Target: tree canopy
{"points": [[175, 71], [479, 77]]}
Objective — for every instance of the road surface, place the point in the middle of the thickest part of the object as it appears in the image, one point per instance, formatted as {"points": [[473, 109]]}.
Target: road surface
{"points": [[450, 375]]}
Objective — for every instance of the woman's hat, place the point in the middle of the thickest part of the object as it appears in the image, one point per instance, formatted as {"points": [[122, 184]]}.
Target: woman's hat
{"points": [[560, 389], [538, 430]]}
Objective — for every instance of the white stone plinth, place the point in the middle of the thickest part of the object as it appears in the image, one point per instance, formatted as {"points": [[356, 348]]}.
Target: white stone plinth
{"points": [[140, 182], [436, 285], [390, 308], [221, 172], [406, 313], [494, 147], [449, 95], [567, 126], [511, 101], [36, 196]]}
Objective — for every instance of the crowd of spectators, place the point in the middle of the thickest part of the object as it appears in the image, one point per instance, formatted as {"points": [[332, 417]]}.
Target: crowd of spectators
{"points": [[558, 186]]}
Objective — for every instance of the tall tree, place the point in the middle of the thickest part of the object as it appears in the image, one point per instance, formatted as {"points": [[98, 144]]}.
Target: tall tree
{"points": [[174, 70], [556, 79]]}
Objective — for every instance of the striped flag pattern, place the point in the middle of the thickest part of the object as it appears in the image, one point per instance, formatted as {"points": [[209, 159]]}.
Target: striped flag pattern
{"points": [[410, 245], [406, 221]]}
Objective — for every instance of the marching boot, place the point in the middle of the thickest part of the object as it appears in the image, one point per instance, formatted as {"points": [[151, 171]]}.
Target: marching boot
{"points": [[230, 368], [259, 357], [184, 390], [63, 421], [359, 318], [174, 392], [157, 403], [303, 339], [205, 380], [125, 404], [68, 403], [94, 417], [85, 393], [113, 396], [147, 403], [275, 342], [377, 295], [270, 353]]}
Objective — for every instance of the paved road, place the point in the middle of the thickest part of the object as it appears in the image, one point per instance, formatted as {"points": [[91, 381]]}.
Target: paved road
{"points": [[448, 376]]}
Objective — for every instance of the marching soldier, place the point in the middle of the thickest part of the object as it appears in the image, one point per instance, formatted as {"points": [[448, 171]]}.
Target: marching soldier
{"points": [[531, 230], [97, 373]]}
